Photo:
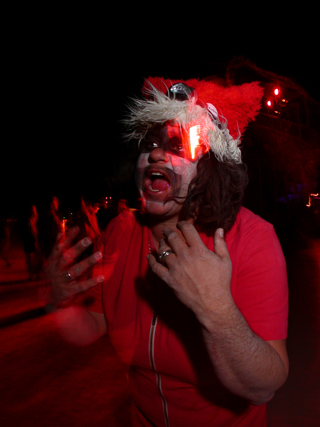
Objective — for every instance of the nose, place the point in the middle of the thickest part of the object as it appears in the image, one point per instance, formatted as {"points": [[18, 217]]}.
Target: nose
{"points": [[158, 155]]}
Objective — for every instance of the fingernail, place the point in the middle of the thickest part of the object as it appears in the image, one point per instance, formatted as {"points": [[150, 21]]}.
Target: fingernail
{"points": [[221, 232], [97, 255], [86, 241], [165, 231]]}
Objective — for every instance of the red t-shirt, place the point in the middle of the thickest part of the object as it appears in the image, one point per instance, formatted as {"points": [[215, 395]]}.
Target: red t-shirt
{"points": [[171, 377]]}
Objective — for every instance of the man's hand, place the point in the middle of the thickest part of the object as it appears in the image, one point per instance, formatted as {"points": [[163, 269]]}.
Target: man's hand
{"points": [[245, 364], [63, 272], [200, 278]]}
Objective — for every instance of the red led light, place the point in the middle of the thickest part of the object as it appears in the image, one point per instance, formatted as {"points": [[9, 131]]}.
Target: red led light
{"points": [[194, 133]]}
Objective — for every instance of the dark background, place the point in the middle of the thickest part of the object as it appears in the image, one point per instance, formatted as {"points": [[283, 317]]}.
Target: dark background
{"points": [[66, 75], [67, 80]]}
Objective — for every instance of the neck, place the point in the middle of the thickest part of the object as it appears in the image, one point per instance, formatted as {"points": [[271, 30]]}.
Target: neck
{"points": [[157, 227], [156, 231]]}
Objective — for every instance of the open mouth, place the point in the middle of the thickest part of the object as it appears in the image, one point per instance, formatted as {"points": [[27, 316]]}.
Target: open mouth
{"points": [[157, 181]]}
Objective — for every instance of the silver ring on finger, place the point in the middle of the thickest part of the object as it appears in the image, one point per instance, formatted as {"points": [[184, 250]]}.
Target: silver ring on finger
{"points": [[164, 254], [70, 277]]}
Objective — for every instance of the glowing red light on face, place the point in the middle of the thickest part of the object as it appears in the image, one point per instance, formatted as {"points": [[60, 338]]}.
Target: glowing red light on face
{"points": [[194, 135]]}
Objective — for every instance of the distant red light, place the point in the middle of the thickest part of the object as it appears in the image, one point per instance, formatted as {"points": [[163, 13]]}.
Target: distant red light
{"points": [[276, 91]]}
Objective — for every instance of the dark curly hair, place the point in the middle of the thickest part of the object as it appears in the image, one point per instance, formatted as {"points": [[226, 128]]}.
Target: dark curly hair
{"points": [[215, 194]]}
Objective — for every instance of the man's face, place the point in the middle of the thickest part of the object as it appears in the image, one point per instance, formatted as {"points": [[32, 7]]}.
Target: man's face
{"points": [[165, 170]]}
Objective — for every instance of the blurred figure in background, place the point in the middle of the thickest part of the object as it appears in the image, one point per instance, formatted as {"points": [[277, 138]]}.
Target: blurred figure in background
{"points": [[28, 227], [90, 210], [123, 205], [5, 240], [108, 210], [84, 217], [49, 225]]}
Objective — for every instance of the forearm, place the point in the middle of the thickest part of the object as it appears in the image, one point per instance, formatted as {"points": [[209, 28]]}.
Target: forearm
{"points": [[79, 326], [245, 364]]}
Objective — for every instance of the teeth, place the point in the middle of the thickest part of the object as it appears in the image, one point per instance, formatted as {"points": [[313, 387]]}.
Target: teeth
{"points": [[154, 191], [153, 177]]}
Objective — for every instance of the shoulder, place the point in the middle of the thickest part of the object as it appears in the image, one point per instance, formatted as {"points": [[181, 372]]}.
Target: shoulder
{"points": [[250, 226], [248, 220], [251, 234]]}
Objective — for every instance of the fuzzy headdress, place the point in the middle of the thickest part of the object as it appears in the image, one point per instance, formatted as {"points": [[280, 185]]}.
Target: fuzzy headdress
{"points": [[224, 112]]}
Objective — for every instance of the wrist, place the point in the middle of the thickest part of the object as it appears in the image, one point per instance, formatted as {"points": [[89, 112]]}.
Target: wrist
{"points": [[219, 317], [55, 300]]}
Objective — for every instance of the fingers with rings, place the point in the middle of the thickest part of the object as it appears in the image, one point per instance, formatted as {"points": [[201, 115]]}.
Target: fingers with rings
{"points": [[77, 270], [164, 251], [164, 254], [69, 277]]}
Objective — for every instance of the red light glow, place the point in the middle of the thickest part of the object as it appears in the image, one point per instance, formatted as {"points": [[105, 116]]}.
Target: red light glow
{"points": [[64, 226], [276, 91], [194, 134], [310, 198]]}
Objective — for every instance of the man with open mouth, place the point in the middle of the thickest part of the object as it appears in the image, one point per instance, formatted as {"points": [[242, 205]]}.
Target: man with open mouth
{"points": [[164, 171], [192, 290]]}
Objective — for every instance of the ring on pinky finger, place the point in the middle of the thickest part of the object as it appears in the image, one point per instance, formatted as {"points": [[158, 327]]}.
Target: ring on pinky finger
{"points": [[70, 277]]}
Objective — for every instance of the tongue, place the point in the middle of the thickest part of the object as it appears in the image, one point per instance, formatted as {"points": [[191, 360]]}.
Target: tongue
{"points": [[160, 184]]}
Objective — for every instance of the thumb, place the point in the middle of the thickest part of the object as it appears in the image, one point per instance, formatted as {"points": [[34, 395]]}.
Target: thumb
{"points": [[220, 246]]}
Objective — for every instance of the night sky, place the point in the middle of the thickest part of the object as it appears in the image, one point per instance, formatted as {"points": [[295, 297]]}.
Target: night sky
{"points": [[65, 98]]}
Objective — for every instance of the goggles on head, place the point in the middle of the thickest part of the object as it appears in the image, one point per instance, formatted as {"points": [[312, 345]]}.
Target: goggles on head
{"points": [[190, 142], [180, 92]]}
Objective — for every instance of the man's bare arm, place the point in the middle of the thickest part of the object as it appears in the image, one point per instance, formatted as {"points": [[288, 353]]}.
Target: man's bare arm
{"points": [[245, 364]]}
